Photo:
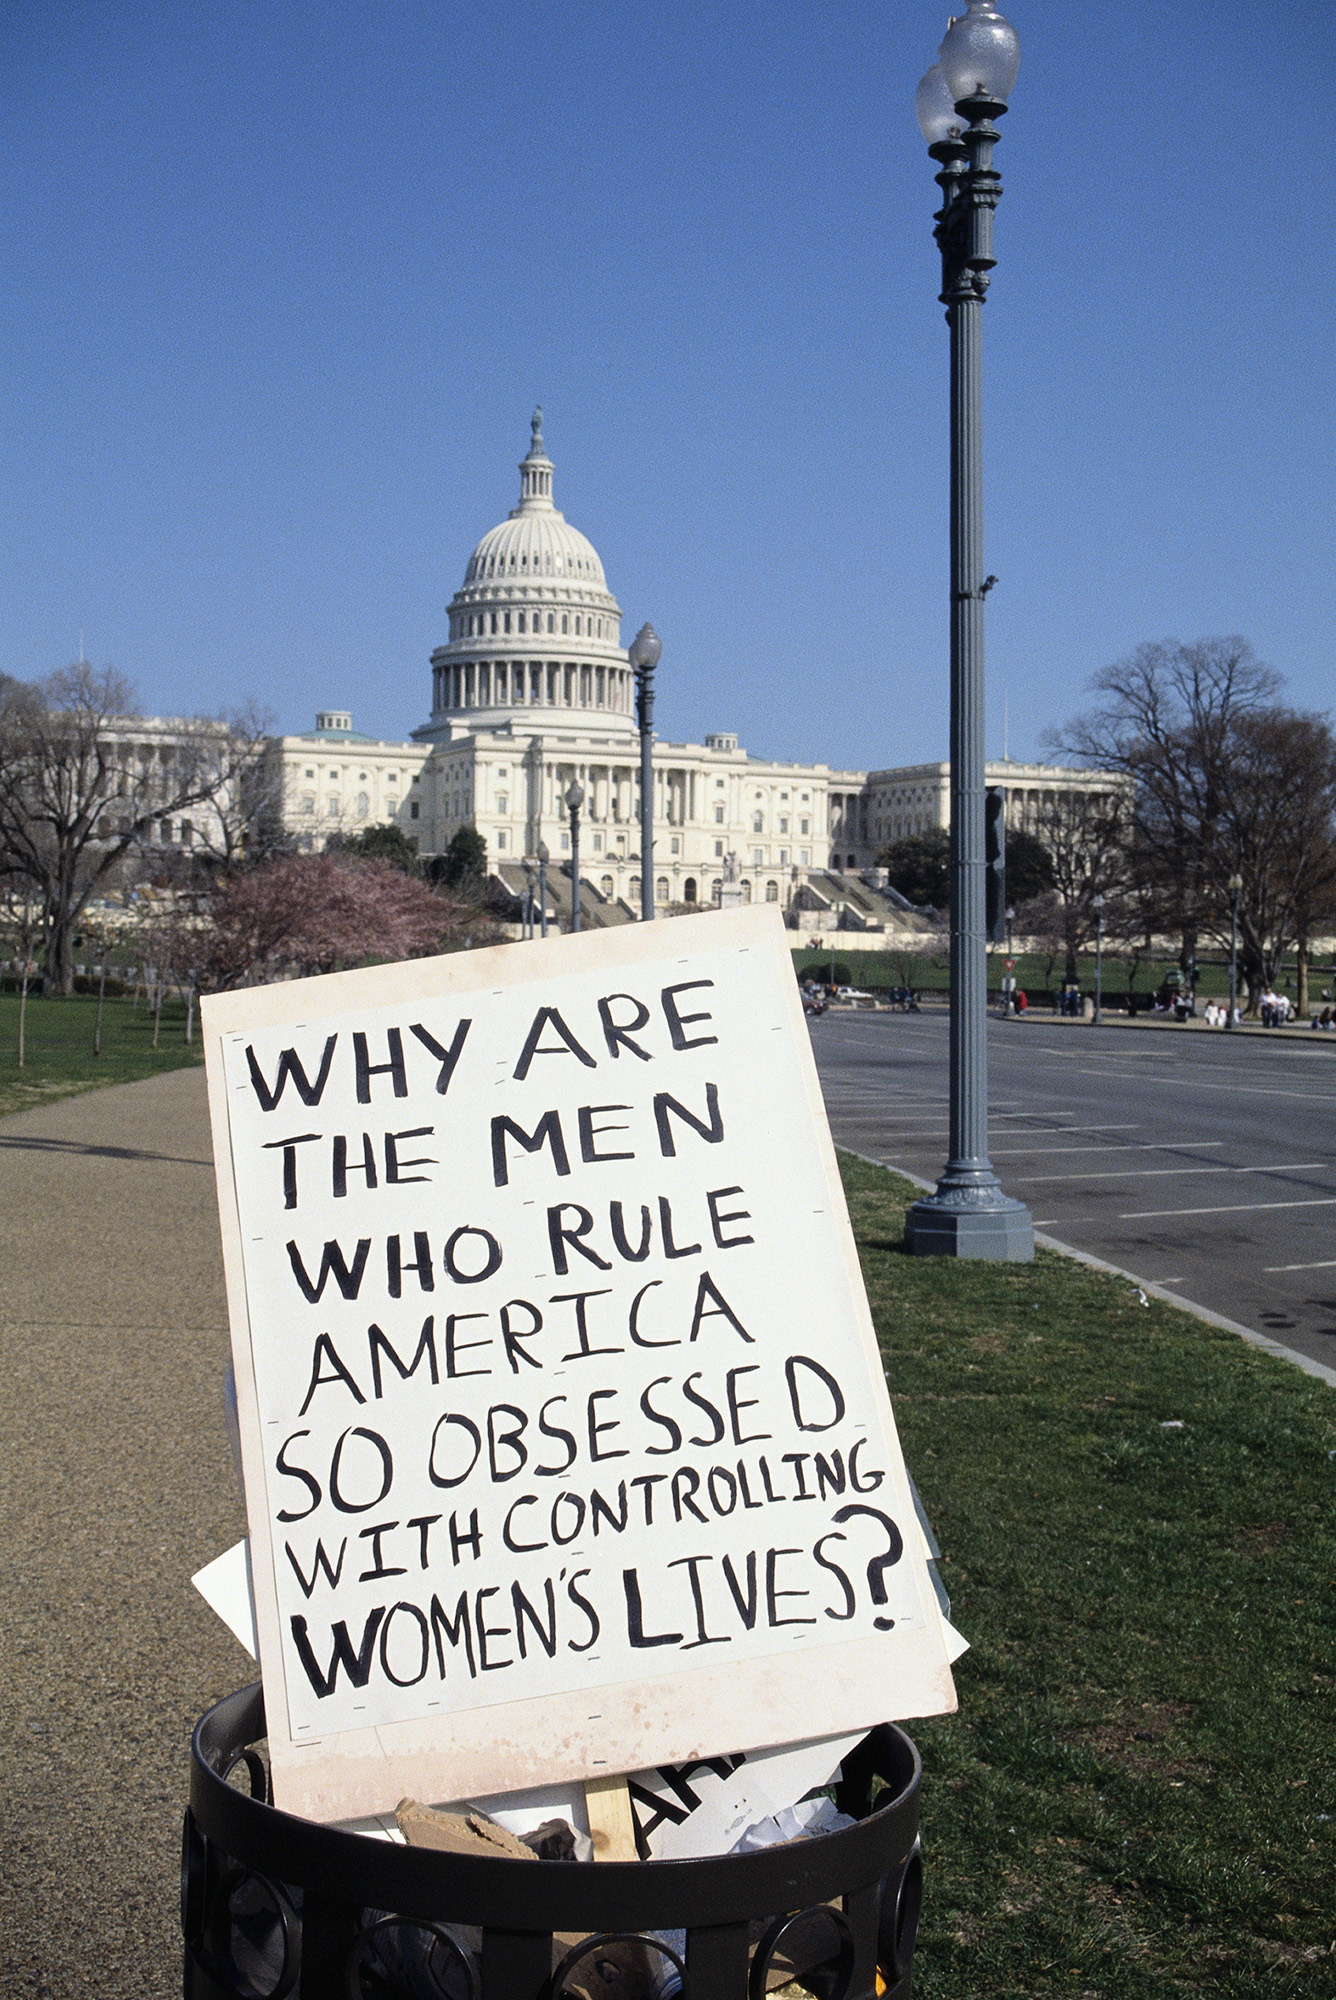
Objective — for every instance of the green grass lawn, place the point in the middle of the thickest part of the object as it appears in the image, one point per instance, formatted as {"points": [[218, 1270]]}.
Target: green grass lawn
{"points": [[58, 1046], [1138, 1795]]}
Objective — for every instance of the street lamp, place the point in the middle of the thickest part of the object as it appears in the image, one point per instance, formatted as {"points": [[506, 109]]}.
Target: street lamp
{"points": [[957, 101], [526, 925], [575, 798], [1235, 891], [644, 657], [1099, 952], [543, 858]]}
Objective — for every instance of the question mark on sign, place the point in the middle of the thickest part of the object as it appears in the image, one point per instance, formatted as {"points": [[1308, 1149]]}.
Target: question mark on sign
{"points": [[895, 1548]]}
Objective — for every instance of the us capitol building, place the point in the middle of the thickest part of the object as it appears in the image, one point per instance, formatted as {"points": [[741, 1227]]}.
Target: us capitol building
{"points": [[532, 689]]}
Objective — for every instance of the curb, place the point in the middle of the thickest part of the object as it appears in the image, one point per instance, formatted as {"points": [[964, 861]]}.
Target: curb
{"points": [[1261, 1341]]}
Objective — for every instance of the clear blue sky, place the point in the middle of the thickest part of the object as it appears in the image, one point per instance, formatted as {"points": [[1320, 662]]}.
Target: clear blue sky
{"points": [[281, 285]]}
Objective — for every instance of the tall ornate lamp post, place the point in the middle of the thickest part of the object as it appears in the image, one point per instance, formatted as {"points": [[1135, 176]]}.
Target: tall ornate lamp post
{"points": [[543, 858], [644, 658], [957, 101], [526, 925], [1099, 953], [575, 798], [1235, 891]]}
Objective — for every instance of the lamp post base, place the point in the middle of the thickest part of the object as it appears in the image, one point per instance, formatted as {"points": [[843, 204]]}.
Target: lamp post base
{"points": [[970, 1223]]}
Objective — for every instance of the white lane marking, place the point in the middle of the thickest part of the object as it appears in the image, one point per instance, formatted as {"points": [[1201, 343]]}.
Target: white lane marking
{"points": [[1233, 1208], [1235, 1087], [1140, 1146], [1328, 1264], [1160, 1173]]}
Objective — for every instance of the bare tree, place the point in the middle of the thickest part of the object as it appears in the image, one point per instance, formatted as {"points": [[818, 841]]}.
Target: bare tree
{"points": [[83, 781], [1277, 833], [1165, 720], [1083, 835]]}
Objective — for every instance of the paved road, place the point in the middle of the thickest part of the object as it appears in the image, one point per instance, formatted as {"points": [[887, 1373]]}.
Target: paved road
{"points": [[1202, 1162]]}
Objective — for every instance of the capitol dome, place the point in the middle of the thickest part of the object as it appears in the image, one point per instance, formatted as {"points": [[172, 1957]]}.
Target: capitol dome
{"points": [[533, 626]]}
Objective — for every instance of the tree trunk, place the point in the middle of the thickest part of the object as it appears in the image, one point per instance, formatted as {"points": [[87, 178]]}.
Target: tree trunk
{"points": [[58, 973], [1187, 957], [1252, 967], [1301, 977]]}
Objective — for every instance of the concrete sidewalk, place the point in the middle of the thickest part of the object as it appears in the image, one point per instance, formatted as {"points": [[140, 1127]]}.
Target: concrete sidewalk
{"points": [[116, 1483]]}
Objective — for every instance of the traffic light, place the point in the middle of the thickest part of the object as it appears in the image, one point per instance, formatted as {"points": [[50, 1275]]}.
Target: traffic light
{"points": [[995, 863]]}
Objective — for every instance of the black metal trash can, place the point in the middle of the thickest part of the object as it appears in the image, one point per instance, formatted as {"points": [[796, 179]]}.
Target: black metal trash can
{"points": [[273, 1905]]}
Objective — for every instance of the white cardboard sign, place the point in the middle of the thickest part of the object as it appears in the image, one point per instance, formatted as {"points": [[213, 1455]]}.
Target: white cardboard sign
{"points": [[566, 1444]]}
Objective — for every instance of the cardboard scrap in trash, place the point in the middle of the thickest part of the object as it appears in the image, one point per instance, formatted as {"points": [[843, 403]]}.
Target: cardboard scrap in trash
{"points": [[468, 1832]]}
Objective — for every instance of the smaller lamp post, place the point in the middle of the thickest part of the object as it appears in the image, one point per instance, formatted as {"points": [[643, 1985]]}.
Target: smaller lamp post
{"points": [[575, 798], [1235, 891], [1099, 953], [542, 887], [644, 657], [526, 926]]}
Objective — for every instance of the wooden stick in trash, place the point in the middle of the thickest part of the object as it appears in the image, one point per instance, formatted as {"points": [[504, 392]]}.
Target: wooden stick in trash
{"points": [[611, 1827]]}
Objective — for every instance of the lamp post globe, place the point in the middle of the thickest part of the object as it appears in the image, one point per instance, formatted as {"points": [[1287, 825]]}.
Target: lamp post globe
{"points": [[574, 800], [968, 1215], [980, 55], [644, 654]]}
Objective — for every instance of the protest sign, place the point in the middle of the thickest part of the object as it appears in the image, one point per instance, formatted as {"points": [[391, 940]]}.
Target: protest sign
{"points": [[566, 1445]]}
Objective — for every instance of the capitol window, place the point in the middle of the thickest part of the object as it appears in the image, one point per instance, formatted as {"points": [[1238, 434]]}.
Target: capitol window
{"points": [[507, 621], [551, 622], [675, 845], [308, 803], [784, 825], [718, 850], [772, 892], [758, 821], [363, 805], [804, 826], [502, 802], [521, 621], [494, 622], [565, 622], [605, 886], [718, 815]]}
